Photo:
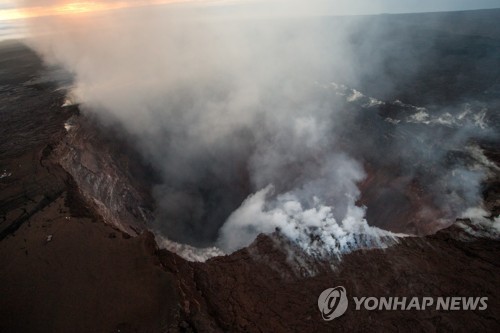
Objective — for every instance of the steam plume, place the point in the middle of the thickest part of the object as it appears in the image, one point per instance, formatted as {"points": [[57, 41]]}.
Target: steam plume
{"points": [[248, 124]]}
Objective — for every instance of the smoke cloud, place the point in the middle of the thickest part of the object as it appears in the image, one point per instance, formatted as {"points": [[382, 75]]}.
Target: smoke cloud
{"points": [[254, 124]]}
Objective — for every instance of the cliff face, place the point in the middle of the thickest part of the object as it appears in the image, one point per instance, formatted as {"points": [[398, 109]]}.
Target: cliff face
{"points": [[105, 175]]}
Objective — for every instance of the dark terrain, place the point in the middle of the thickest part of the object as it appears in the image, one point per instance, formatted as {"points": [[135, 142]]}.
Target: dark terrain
{"points": [[76, 256]]}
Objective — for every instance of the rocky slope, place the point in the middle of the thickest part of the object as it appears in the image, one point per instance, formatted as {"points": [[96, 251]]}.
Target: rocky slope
{"points": [[259, 289], [108, 174]]}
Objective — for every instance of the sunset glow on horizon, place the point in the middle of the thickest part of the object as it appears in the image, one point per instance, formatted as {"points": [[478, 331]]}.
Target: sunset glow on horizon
{"points": [[14, 10], [80, 7], [68, 8]]}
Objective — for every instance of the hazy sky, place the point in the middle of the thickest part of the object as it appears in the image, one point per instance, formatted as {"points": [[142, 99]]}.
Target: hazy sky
{"points": [[284, 7], [357, 7], [13, 10]]}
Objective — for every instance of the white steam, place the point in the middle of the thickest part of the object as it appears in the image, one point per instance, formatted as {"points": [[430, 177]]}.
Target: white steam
{"points": [[230, 114], [313, 229], [481, 225]]}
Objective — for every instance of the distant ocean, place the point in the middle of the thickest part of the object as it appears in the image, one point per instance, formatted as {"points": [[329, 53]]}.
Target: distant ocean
{"points": [[12, 29]]}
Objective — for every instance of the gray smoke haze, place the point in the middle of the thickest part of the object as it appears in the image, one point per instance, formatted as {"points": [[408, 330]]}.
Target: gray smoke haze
{"points": [[253, 124]]}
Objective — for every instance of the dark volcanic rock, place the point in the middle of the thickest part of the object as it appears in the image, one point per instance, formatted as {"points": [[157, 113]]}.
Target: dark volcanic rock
{"points": [[61, 268], [87, 278], [31, 126], [108, 174], [261, 289]]}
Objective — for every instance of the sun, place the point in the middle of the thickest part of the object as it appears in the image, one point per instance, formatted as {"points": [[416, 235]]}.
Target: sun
{"points": [[77, 7], [94, 6], [85, 7], [11, 14]]}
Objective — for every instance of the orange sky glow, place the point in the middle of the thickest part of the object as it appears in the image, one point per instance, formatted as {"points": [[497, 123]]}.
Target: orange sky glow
{"points": [[78, 7]]}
